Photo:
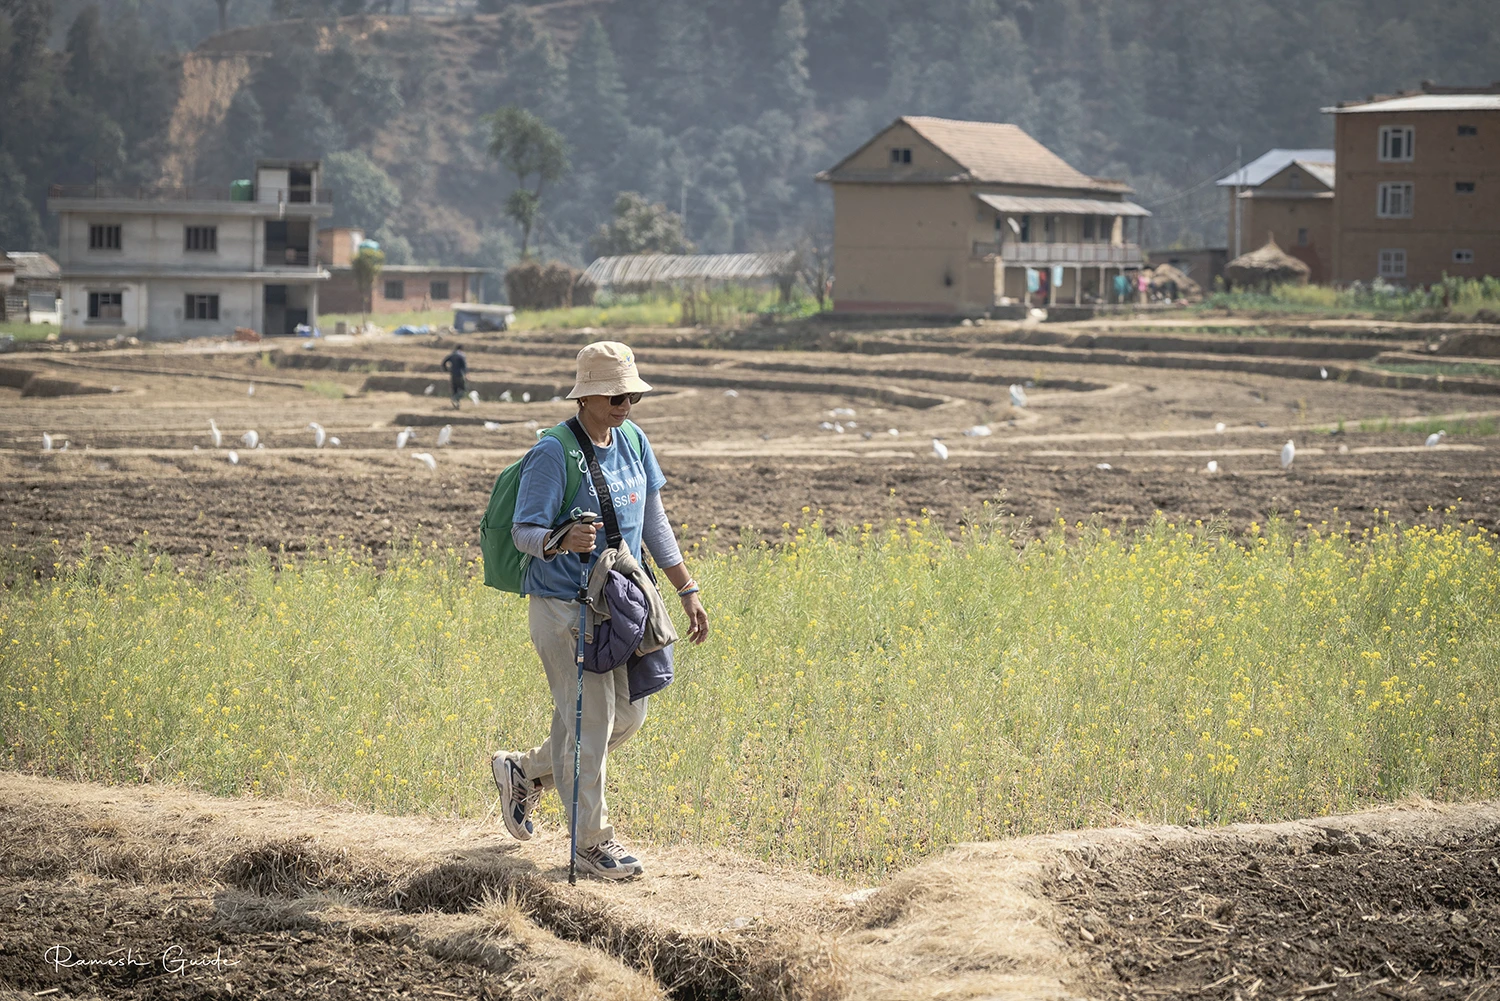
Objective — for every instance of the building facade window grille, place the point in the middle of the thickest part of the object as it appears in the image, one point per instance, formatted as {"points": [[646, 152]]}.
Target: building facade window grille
{"points": [[201, 238], [1397, 143], [1393, 263], [106, 305], [1463, 187], [395, 289], [199, 306], [901, 154], [1468, 130], [438, 290], [1395, 200], [1463, 257], [105, 236]]}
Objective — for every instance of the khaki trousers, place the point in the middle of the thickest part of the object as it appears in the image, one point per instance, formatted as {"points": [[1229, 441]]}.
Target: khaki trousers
{"points": [[609, 719]]}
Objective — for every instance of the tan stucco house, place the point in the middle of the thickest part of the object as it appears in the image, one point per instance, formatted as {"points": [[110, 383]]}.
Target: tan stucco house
{"points": [[1418, 186], [1285, 195], [943, 217]]}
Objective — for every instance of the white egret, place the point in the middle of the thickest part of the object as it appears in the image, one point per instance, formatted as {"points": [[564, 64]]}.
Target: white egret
{"points": [[868, 435], [403, 436], [334, 441], [1435, 437], [1104, 466], [556, 399], [505, 397], [66, 443], [213, 429], [1219, 428], [1288, 453], [1017, 397], [851, 425], [1213, 465], [826, 426], [731, 393], [445, 435], [893, 433], [46, 442], [474, 397], [430, 387], [978, 431], [939, 449], [1323, 372], [525, 398], [491, 426], [250, 438], [841, 412], [426, 459], [250, 391], [319, 435], [234, 457]]}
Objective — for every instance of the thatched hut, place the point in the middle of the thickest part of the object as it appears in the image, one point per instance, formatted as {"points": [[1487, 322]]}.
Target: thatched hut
{"points": [[1266, 268]]}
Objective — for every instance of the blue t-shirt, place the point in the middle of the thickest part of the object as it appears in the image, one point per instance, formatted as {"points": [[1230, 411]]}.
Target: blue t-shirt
{"points": [[539, 498]]}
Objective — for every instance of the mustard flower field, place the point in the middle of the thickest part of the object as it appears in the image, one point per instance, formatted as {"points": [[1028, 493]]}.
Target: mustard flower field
{"points": [[866, 698]]}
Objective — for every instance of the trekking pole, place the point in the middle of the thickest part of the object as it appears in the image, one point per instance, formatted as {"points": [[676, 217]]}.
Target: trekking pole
{"points": [[583, 612]]}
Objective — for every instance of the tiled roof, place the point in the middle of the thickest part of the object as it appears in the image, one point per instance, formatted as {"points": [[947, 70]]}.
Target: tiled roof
{"points": [[987, 153], [31, 264], [1272, 162], [997, 153]]}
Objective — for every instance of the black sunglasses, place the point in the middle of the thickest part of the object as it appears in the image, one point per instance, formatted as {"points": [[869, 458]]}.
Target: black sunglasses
{"points": [[620, 398]]}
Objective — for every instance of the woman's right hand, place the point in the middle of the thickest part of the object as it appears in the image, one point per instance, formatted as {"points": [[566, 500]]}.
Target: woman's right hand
{"points": [[580, 538]]}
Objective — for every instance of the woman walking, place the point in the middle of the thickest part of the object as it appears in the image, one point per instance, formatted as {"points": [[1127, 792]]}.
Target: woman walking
{"points": [[607, 385]]}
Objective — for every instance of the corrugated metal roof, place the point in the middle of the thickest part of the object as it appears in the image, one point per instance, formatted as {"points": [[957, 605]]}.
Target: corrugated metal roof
{"points": [[33, 264], [1061, 206], [1323, 172], [644, 269], [1424, 102], [1270, 163]]}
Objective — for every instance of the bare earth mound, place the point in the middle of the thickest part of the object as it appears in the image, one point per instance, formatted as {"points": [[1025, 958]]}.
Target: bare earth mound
{"points": [[154, 892]]}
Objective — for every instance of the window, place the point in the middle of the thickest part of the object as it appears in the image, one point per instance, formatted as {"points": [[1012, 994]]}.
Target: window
{"points": [[1395, 200], [1396, 142], [1468, 130], [200, 307], [901, 154], [1393, 263], [1302, 237], [106, 305], [200, 238], [104, 237], [1026, 229], [395, 289], [1463, 257], [1088, 227], [1463, 187], [438, 290]]}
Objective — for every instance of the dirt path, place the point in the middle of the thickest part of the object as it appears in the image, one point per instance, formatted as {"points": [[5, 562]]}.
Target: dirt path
{"points": [[275, 899]]}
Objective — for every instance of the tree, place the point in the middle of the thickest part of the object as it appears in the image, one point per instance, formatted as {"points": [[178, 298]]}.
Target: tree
{"points": [[639, 227], [596, 95], [364, 195], [223, 6], [789, 78], [366, 266], [529, 148]]}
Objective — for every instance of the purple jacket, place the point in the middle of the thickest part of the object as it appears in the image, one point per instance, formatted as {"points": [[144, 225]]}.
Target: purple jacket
{"points": [[617, 637]]}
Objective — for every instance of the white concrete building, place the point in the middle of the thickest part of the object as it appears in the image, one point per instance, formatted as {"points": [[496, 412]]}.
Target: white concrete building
{"points": [[172, 263]]}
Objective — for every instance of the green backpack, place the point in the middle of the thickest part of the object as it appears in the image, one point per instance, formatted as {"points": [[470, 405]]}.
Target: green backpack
{"points": [[504, 564]]}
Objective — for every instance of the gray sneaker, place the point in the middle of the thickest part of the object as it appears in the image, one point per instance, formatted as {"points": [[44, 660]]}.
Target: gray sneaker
{"points": [[518, 794], [610, 860]]}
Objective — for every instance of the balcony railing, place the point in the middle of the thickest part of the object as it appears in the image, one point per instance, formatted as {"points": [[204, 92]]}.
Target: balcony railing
{"points": [[288, 257], [152, 193], [1128, 254]]}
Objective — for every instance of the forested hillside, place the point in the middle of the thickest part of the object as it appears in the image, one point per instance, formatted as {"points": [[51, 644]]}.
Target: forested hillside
{"points": [[724, 108]]}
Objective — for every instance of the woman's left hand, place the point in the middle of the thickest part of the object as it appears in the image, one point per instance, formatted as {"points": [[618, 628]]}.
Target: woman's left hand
{"points": [[697, 618]]}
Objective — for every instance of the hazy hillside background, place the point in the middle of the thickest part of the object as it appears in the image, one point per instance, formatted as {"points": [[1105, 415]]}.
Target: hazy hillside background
{"points": [[724, 107]]}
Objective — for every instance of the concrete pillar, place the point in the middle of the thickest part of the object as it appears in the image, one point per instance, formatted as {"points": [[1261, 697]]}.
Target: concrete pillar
{"points": [[1051, 287], [1078, 285]]}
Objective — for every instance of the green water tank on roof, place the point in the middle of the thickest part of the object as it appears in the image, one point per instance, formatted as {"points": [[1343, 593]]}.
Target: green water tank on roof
{"points": [[241, 191]]}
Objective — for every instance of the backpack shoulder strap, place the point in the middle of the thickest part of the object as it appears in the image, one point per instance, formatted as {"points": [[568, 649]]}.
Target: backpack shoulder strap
{"points": [[633, 434], [573, 463]]}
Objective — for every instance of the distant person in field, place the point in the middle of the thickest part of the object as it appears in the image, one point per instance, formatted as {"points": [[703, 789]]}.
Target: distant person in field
{"points": [[606, 388], [457, 367]]}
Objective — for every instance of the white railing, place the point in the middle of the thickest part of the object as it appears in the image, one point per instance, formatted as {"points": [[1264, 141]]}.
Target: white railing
{"points": [[1128, 254]]}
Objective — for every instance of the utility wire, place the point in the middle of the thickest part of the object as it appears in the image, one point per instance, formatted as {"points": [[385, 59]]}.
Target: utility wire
{"points": [[1197, 187]]}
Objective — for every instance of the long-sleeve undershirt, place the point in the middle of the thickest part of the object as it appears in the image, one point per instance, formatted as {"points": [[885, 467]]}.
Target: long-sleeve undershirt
{"points": [[656, 534]]}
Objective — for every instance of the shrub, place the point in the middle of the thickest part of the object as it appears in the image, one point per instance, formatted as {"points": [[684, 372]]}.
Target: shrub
{"points": [[530, 285]]}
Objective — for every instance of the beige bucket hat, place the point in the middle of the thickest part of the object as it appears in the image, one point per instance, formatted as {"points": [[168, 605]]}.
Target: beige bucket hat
{"points": [[607, 368]]}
